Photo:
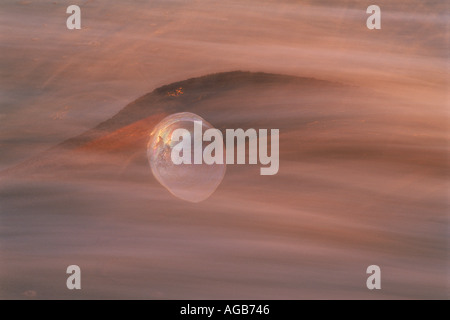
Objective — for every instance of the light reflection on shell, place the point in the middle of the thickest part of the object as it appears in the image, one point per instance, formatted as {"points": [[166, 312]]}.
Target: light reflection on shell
{"points": [[190, 182]]}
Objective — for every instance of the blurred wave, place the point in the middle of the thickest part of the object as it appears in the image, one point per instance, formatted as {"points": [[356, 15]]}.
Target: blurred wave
{"points": [[363, 173]]}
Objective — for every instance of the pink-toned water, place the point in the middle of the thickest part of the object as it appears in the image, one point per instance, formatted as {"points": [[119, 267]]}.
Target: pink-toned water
{"points": [[363, 166]]}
